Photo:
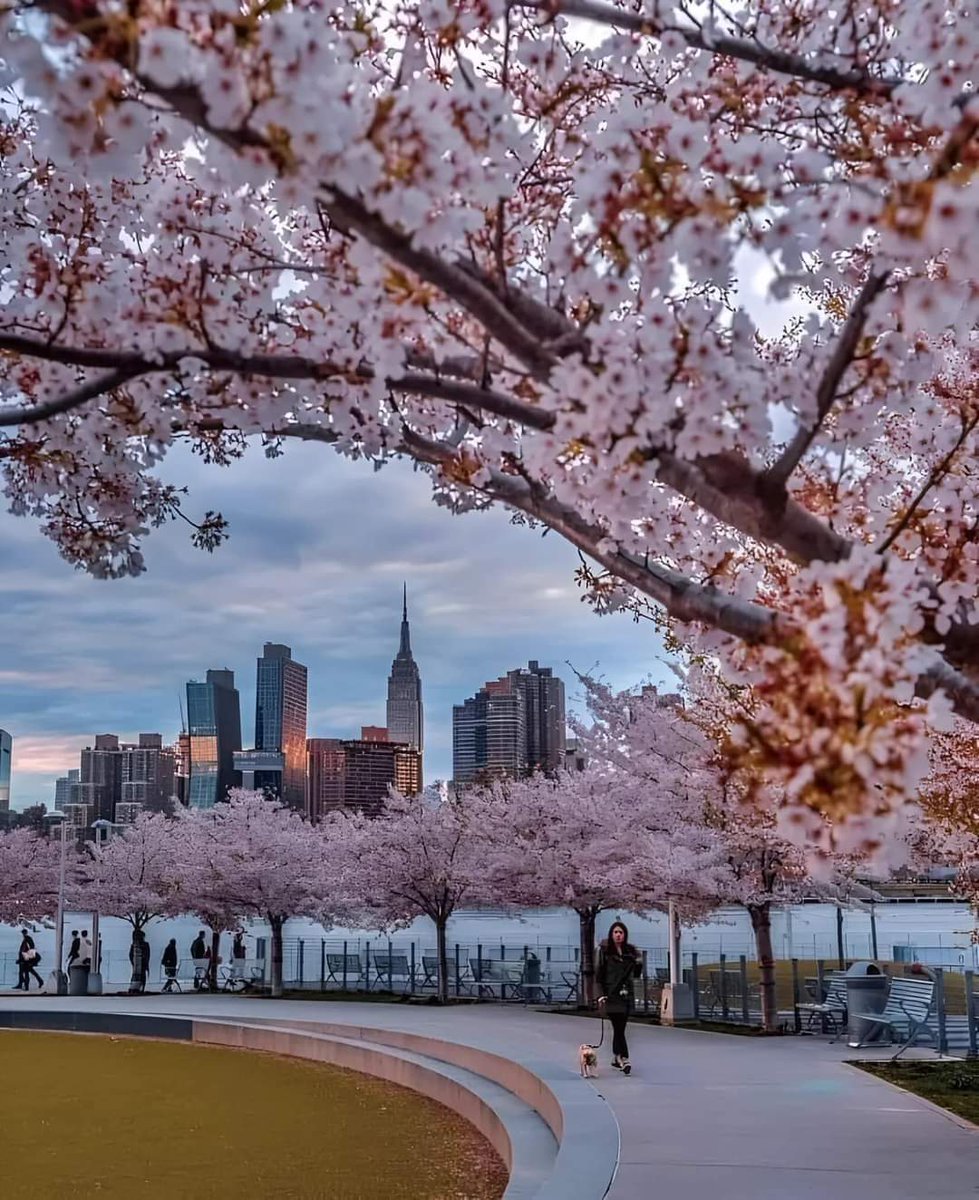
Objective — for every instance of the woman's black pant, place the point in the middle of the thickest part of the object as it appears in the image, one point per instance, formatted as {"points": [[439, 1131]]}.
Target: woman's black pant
{"points": [[620, 1047]]}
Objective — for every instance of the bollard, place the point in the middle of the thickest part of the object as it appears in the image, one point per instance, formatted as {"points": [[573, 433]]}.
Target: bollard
{"points": [[940, 1010], [971, 1014], [695, 985], [724, 1012], [344, 981], [796, 995], [743, 966]]}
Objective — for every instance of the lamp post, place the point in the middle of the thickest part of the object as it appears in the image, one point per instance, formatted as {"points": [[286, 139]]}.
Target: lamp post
{"points": [[61, 981], [101, 829], [676, 999]]}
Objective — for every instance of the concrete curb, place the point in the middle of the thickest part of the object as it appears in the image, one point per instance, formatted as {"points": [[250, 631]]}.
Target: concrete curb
{"points": [[962, 1122]]}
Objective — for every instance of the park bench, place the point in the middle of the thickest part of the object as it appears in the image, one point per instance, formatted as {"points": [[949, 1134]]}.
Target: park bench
{"points": [[833, 1008], [389, 968], [239, 978], [342, 970], [496, 977], [909, 1004]]}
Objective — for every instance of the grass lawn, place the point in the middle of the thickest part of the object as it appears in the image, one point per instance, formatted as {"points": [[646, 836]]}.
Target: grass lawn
{"points": [[115, 1117], [953, 1085]]}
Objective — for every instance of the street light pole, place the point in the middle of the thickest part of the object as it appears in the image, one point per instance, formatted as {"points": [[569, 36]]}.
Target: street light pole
{"points": [[674, 950], [61, 983], [101, 828]]}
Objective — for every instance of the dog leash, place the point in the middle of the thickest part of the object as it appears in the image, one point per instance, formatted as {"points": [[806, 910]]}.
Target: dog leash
{"points": [[601, 1039]]}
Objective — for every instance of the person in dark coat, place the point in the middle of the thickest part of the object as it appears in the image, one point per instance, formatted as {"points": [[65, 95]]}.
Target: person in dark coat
{"points": [[169, 964], [619, 963], [26, 963], [76, 942], [139, 956]]}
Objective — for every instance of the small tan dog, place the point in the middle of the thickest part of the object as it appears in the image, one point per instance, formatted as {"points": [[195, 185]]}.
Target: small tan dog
{"points": [[587, 1062]]}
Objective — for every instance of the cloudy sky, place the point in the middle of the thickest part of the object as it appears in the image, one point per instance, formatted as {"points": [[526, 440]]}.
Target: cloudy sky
{"points": [[318, 550]]}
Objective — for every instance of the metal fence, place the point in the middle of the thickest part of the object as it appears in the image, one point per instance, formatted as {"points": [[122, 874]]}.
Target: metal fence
{"points": [[501, 971], [729, 990]]}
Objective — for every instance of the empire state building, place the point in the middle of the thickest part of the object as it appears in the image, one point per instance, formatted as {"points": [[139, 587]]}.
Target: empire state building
{"points": [[404, 715]]}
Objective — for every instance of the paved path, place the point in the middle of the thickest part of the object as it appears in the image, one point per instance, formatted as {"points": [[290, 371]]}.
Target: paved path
{"points": [[704, 1116]]}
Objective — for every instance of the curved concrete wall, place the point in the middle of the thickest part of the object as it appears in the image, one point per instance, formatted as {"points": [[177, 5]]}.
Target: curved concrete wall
{"points": [[368, 1060]]}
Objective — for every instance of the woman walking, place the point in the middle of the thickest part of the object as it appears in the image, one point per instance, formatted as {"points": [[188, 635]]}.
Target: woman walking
{"points": [[139, 956], [619, 963]]}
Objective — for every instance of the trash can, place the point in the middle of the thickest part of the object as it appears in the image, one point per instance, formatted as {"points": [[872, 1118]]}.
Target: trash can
{"points": [[78, 981], [866, 992]]}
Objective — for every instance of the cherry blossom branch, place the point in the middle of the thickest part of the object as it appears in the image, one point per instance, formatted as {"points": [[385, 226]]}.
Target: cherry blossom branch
{"points": [[962, 691], [70, 400], [937, 473], [778, 474], [697, 38], [127, 366], [680, 596]]}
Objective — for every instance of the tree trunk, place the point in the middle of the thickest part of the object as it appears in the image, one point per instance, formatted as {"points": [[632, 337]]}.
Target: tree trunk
{"points": [[276, 978], [761, 923], [440, 927], [212, 975], [586, 929]]}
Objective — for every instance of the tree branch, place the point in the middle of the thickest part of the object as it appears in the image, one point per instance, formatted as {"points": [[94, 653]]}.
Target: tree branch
{"points": [[777, 476], [126, 366], [766, 57], [67, 402], [680, 596]]}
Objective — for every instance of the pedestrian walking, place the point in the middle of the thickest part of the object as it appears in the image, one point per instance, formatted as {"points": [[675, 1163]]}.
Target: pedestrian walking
{"points": [[619, 963], [73, 950], [169, 963], [31, 960], [23, 969], [139, 956], [200, 954]]}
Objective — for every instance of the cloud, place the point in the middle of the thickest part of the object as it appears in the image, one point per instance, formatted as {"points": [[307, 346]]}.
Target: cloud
{"points": [[318, 551]]}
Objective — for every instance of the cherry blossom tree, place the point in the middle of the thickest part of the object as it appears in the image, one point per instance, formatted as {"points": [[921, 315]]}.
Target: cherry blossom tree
{"points": [[134, 874], [423, 856], [514, 241], [679, 747], [602, 839], [253, 857], [29, 867], [949, 833]]}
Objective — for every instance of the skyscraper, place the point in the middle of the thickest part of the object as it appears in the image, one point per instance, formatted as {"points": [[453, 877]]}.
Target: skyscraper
{"points": [[6, 753], [148, 774], [66, 789], [405, 715], [280, 723], [356, 774], [544, 713], [214, 730], [512, 726], [100, 789]]}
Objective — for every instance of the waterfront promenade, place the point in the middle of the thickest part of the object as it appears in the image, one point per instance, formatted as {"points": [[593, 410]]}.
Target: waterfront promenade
{"points": [[705, 1116]]}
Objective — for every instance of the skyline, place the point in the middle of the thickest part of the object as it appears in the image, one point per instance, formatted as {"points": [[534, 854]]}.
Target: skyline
{"points": [[84, 656]]}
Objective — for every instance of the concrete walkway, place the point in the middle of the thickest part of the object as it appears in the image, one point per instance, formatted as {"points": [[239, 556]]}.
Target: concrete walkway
{"points": [[704, 1116]]}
